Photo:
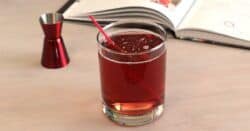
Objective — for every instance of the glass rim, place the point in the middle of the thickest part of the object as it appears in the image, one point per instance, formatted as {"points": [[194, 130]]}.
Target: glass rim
{"points": [[135, 22]]}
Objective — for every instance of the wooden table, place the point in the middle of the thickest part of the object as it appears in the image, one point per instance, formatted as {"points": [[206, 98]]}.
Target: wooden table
{"points": [[208, 86]]}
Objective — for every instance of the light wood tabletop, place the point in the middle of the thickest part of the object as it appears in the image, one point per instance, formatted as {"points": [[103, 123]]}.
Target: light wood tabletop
{"points": [[208, 86]]}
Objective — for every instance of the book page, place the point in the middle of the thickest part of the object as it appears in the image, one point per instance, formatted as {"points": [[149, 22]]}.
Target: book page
{"points": [[226, 17], [96, 6], [173, 12], [86, 6], [180, 11]]}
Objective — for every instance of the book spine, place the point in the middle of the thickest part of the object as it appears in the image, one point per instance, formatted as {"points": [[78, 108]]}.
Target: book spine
{"points": [[66, 6]]}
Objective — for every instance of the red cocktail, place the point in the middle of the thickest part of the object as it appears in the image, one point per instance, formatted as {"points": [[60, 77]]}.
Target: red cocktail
{"points": [[133, 75]]}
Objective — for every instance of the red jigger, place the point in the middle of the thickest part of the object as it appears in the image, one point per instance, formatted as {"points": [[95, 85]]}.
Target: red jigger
{"points": [[54, 52]]}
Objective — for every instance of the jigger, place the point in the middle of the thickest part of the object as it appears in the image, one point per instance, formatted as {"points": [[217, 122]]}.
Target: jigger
{"points": [[54, 53]]}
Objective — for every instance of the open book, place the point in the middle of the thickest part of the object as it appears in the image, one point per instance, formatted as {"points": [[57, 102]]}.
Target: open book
{"points": [[222, 21]]}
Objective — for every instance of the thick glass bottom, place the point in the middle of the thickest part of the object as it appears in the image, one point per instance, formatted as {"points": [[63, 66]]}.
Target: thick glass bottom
{"points": [[133, 120]]}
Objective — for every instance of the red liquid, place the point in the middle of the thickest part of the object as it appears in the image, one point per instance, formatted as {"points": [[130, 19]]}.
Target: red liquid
{"points": [[133, 88]]}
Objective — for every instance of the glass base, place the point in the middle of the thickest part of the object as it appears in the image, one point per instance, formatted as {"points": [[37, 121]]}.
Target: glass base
{"points": [[135, 120]]}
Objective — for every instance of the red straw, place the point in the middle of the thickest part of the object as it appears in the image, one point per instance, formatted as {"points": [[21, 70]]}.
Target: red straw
{"points": [[109, 40]]}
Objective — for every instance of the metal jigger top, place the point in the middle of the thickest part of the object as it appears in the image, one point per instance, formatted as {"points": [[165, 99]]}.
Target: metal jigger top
{"points": [[51, 18], [54, 52]]}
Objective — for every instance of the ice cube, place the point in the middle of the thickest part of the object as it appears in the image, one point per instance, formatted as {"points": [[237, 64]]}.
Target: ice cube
{"points": [[124, 43], [145, 47], [142, 39]]}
